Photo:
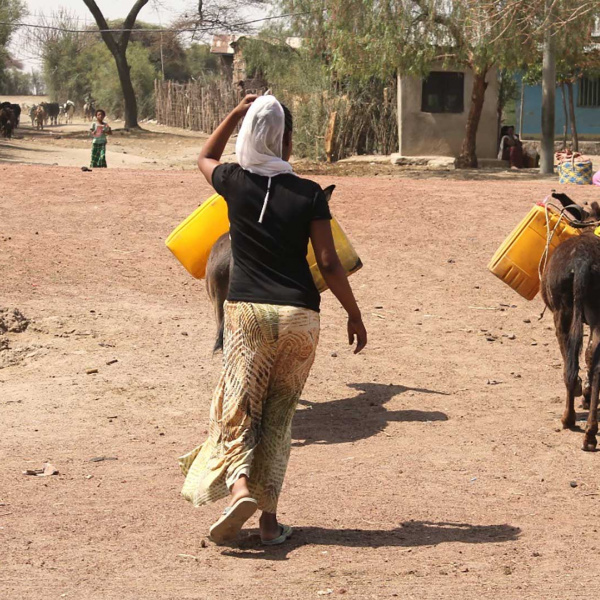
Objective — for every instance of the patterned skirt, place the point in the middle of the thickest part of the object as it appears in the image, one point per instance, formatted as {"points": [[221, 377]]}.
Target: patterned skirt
{"points": [[268, 352], [98, 156]]}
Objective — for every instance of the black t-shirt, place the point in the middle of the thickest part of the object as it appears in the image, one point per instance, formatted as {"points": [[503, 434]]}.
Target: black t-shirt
{"points": [[269, 258]]}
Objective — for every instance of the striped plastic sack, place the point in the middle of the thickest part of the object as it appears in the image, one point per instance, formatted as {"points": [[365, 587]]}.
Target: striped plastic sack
{"points": [[578, 171]]}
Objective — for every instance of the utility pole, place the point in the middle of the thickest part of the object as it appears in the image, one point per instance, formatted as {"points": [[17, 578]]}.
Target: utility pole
{"points": [[548, 93]]}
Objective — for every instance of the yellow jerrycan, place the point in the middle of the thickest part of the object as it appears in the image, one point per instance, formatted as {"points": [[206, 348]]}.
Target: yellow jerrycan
{"points": [[192, 240], [517, 260]]}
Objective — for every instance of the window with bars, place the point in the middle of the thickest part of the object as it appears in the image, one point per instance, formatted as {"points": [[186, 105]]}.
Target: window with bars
{"points": [[588, 95], [443, 92]]}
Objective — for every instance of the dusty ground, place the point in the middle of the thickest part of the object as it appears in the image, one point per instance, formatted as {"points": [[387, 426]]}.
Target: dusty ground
{"points": [[158, 147], [428, 467]]}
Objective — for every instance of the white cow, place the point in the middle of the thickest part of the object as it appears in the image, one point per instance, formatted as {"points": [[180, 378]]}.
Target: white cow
{"points": [[67, 110]]}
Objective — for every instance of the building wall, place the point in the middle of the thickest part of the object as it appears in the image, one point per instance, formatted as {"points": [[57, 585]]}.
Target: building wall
{"points": [[441, 134], [587, 119]]}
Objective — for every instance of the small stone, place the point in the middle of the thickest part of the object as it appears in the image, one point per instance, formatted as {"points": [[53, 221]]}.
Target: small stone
{"points": [[184, 333], [507, 570], [112, 362], [511, 336], [534, 343], [490, 338], [203, 544], [526, 320], [334, 354], [573, 484], [91, 371]]}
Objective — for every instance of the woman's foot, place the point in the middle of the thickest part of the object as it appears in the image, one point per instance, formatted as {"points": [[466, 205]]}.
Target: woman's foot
{"points": [[269, 527], [227, 528], [239, 490]]}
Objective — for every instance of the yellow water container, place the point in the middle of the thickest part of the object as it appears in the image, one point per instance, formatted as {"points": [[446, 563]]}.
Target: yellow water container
{"points": [[346, 253], [517, 260], [192, 241]]}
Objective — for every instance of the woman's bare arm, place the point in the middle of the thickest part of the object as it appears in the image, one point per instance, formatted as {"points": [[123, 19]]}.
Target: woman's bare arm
{"points": [[333, 272], [210, 155]]}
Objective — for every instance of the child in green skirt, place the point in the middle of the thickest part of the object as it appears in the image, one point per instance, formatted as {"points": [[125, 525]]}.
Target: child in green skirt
{"points": [[99, 130]]}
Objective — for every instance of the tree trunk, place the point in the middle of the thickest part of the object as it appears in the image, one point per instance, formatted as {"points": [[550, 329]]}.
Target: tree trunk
{"points": [[131, 110], [468, 153], [548, 95], [566, 126], [522, 109], [574, 135], [118, 48]]}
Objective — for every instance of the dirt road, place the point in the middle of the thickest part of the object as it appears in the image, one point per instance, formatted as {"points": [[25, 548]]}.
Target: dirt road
{"points": [[428, 467], [68, 145]]}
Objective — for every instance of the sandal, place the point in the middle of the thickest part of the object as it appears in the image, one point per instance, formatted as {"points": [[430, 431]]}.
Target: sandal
{"points": [[286, 532], [231, 522]]}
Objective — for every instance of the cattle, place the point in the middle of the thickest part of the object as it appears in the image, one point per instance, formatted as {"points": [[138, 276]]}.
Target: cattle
{"points": [[7, 122], [52, 111], [571, 290], [218, 272], [89, 111], [16, 109], [67, 110], [40, 117], [32, 114]]}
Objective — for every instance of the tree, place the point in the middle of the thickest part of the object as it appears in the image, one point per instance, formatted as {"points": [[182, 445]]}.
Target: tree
{"points": [[11, 11], [117, 44], [65, 51], [16, 83], [568, 53], [379, 37]]}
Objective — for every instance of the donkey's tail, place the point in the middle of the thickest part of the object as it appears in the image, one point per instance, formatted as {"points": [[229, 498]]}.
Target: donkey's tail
{"points": [[575, 340], [219, 341]]}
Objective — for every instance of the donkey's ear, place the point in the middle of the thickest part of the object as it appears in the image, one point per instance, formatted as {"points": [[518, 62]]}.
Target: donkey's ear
{"points": [[595, 210], [328, 191]]}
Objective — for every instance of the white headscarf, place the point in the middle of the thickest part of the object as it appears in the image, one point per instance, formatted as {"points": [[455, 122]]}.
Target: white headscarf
{"points": [[259, 143], [260, 140]]}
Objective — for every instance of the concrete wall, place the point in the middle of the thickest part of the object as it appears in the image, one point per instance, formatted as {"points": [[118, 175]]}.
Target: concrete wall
{"points": [[587, 119], [441, 134]]}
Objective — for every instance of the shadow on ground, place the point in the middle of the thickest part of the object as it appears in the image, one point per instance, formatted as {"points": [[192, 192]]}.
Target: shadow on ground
{"points": [[408, 535], [357, 417]]}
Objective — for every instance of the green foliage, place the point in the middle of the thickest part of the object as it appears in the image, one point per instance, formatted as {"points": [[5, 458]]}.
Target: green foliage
{"points": [[378, 38], [304, 81], [105, 84], [164, 49], [200, 63], [16, 83], [75, 65], [67, 66], [11, 11]]}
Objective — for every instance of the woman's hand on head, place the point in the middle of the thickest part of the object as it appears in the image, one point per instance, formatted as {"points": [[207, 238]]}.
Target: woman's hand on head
{"points": [[357, 332], [242, 108]]}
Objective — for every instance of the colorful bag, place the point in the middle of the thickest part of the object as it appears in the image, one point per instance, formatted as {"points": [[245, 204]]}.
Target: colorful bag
{"points": [[574, 168]]}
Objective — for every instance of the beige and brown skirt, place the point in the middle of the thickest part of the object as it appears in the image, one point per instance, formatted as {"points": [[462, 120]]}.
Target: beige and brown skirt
{"points": [[268, 352]]}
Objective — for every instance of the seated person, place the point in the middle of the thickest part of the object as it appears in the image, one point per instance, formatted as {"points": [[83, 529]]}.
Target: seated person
{"points": [[511, 148]]}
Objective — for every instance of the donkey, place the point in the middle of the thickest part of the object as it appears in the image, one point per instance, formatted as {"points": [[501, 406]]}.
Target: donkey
{"points": [[570, 288], [218, 271]]}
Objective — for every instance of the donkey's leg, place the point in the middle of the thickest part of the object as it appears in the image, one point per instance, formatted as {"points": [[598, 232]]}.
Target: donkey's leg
{"points": [[587, 389], [562, 325], [591, 429]]}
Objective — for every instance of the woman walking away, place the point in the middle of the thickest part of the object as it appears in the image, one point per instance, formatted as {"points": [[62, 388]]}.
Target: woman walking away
{"points": [[271, 318], [99, 130]]}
